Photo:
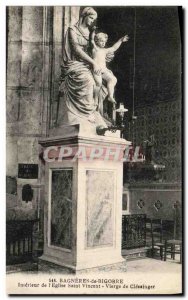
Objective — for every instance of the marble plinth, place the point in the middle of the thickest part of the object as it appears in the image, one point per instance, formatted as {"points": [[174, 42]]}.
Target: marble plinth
{"points": [[83, 199]]}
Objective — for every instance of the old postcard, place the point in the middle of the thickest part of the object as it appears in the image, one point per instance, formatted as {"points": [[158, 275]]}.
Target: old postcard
{"points": [[94, 166]]}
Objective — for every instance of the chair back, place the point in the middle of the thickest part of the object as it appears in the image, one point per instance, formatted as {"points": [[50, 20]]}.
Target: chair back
{"points": [[156, 231], [168, 229], [148, 232], [177, 221]]}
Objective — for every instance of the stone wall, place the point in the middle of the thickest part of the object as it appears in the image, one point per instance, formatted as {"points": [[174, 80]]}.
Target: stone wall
{"points": [[163, 120], [157, 199], [34, 50], [154, 200]]}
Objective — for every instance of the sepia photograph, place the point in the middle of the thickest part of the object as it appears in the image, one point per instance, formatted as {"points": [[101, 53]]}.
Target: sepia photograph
{"points": [[94, 124]]}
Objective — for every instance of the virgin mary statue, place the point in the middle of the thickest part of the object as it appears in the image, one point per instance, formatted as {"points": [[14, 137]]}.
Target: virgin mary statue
{"points": [[77, 82]]}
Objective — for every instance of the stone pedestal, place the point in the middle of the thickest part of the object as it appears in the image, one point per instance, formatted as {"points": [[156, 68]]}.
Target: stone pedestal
{"points": [[83, 198]]}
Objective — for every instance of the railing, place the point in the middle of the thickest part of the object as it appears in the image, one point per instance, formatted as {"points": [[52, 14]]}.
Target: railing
{"points": [[19, 241], [137, 230], [133, 231]]}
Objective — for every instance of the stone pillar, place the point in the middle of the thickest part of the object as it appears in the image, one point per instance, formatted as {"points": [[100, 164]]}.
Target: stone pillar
{"points": [[83, 199], [58, 34], [31, 70], [14, 54], [47, 72], [71, 16], [63, 17], [28, 39], [14, 57]]}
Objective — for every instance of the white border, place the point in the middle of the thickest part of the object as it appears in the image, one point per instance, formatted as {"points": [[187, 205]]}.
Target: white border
{"points": [[3, 108]]}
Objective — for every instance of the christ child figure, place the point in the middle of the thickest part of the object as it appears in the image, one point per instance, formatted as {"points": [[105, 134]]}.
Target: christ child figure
{"points": [[99, 55]]}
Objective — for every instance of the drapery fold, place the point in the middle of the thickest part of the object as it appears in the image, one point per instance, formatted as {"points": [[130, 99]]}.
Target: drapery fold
{"points": [[77, 79], [77, 84]]}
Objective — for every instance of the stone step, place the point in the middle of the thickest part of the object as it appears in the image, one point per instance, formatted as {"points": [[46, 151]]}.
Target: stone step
{"points": [[24, 267], [138, 253]]}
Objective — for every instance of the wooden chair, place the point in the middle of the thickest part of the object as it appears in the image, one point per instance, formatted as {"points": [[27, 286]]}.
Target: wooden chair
{"points": [[174, 246], [154, 237], [148, 238], [158, 243]]}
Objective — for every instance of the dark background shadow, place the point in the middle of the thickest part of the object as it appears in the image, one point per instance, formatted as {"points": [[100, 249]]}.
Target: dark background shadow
{"points": [[157, 56]]}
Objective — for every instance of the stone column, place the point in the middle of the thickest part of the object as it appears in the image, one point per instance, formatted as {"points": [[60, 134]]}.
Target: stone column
{"points": [[31, 70], [29, 37], [58, 34], [63, 17], [71, 16], [30, 86], [14, 56], [83, 199]]}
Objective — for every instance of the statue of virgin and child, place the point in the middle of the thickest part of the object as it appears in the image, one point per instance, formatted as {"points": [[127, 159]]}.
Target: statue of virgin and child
{"points": [[85, 79]]}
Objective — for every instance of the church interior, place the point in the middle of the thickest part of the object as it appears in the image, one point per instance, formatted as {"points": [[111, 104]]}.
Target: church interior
{"points": [[148, 69]]}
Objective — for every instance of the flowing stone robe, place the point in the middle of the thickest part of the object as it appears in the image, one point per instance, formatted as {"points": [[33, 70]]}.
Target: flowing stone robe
{"points": [[77, 84]]}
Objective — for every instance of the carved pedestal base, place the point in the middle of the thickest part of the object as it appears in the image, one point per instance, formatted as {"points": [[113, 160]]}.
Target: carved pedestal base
{"points": [[83, 199]]}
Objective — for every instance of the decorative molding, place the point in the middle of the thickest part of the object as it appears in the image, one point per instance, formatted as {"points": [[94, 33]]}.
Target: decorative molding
{"points": [[158, 205], [140, 203]]}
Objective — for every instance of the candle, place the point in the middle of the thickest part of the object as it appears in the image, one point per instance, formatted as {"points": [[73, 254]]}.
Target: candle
{"points": [[114, 115]]}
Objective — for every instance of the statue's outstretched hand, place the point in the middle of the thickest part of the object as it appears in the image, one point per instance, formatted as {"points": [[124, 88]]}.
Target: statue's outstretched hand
{"points": [[112, 100], [109, 56], [125, 38]]}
